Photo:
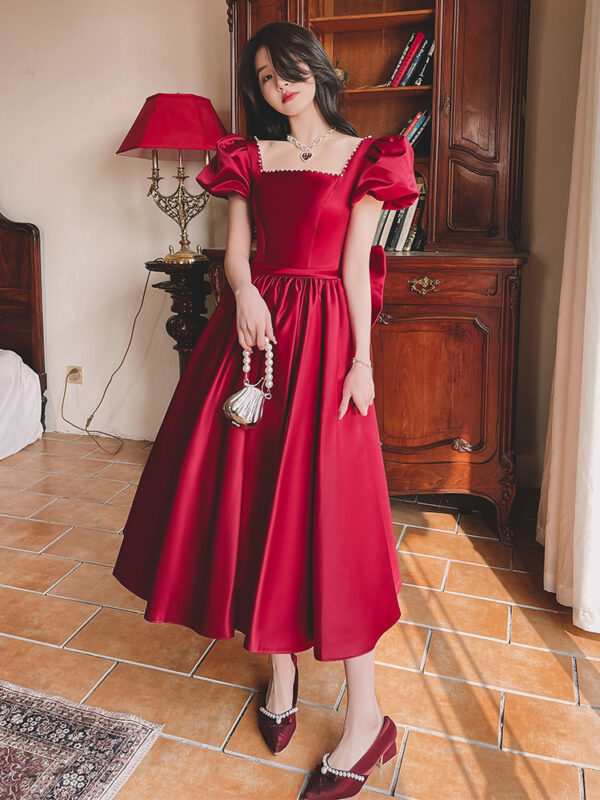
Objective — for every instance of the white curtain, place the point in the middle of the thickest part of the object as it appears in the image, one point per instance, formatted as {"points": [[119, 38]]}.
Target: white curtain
{"points": [[568, 520]]}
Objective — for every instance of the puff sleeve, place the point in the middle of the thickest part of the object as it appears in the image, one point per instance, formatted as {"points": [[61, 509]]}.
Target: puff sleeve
{"points": [[387, 173], [229, 170]]}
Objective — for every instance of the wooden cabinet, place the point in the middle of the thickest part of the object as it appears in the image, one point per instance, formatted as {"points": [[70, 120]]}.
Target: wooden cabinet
{"points": [[477, 143], [444, 367], [444, 347]]}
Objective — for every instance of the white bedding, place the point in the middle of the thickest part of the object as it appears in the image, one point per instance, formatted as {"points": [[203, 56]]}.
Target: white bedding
{"points": [[20, 404]]}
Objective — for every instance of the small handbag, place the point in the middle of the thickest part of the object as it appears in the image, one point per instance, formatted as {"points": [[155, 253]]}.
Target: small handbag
{"points": [[245, 407]]}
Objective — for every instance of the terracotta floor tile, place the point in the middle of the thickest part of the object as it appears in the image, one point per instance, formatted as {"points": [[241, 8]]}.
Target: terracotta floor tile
{"points": [[318, 731], [478, 525], [37, 616], [50, 669], [16, 460], [124, 498], [402, 645], [471, 772], [589, 682], [60, 464], [553, 632], [421, 570], [19, 478], [592, 783], [453, 612], [97, 584], [529, 558], [86, 545], [496, 584], [130, 473], [32, 570], [84, 514], [438, 704], [128, 636], [193, 709], [545, 728], [56, 447], [178, 771], [132, 452], [78, 487], [423, 515], [22, 504], [27, 534], [507, 666], [318, 682], [461, 548]]}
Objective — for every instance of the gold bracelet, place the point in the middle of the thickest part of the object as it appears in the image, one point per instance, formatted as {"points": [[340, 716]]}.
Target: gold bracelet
{"points": [[359, 361]]}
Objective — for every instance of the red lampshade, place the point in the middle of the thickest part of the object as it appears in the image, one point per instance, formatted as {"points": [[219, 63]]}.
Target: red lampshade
{"points": [[172, 122]]}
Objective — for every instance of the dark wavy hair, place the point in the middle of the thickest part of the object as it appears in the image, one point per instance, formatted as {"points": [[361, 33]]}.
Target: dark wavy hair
{"points": [[287, 44]]}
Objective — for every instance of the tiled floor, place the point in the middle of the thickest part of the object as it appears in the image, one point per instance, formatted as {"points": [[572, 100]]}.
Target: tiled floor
{"points": [[495, 693]]}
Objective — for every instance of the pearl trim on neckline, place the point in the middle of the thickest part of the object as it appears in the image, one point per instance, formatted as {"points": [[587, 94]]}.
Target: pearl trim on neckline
{"points": [[299, 169]]}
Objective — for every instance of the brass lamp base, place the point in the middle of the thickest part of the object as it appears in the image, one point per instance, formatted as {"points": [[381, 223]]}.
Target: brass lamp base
{"points": [[182, 207], [184, 256]]}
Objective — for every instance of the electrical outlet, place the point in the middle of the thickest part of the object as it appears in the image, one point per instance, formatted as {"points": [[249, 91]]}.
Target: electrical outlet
{"points": [[75, 377]]}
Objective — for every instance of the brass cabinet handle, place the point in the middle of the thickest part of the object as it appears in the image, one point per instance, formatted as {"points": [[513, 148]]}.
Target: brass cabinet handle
{"points": [[423, 285], [446, 106]]}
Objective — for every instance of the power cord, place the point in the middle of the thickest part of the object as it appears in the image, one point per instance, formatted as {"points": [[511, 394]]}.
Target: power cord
{"points": [[91, 417]]}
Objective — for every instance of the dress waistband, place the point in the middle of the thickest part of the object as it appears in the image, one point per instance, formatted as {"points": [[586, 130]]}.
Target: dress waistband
{"points": [[262, 268]]}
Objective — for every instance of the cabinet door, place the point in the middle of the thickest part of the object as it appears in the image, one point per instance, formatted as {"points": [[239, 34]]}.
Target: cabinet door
{"points": [[475, 125], [436, 382]]}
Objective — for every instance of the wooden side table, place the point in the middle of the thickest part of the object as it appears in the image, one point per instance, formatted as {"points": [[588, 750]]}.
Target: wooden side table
{"points": [[189, 289]]}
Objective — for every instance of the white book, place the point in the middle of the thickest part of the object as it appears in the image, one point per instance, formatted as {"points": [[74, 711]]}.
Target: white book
{"points": [[406, 226]]}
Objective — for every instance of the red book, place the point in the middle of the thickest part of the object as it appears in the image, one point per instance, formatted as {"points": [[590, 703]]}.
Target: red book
{"points": [[409, 57], [412, 123]]}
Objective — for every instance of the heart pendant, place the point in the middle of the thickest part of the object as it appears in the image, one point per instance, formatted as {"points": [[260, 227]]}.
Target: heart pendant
{"points": [[305, 155]]}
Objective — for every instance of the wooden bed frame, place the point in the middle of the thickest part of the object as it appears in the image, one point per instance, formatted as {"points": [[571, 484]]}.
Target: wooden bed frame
{"points": [[21, 318]]}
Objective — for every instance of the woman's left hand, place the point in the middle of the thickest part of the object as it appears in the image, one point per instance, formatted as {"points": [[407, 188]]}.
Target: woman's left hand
{"points": [[358, 385]]}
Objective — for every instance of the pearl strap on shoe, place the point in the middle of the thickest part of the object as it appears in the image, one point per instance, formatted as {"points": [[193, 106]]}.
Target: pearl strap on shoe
{"points": [[343, 773], [278, 717]]}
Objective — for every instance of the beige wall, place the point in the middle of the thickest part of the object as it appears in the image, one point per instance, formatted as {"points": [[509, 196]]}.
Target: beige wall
{"points": [[556, 30], [74, 76]]}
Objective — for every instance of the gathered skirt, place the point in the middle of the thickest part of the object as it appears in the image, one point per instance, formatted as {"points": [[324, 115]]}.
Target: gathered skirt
{"points": [[283, 531]]}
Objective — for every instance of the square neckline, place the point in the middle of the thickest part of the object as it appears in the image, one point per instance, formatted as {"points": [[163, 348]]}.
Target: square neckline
{"points": [[262, 171]]}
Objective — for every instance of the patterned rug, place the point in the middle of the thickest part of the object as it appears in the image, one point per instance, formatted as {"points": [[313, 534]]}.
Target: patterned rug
{"points": [[54, 749]]}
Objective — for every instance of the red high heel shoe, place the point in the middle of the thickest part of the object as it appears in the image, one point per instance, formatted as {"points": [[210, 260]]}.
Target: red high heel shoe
{"points": [[277, 729], [328, 783]]}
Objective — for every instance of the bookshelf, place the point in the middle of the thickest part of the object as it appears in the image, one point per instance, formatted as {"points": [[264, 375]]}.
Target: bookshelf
{"points": [[444, 348]]}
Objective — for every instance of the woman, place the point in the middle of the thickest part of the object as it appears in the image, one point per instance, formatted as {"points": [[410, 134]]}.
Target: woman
{"points": [[284, 531]]}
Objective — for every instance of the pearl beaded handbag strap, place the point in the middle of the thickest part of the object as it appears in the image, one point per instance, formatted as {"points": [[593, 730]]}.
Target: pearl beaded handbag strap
{"points": [[267, 379]]}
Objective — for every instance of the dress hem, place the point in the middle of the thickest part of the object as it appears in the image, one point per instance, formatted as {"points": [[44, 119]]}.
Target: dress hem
{"points": [[355, 652]]}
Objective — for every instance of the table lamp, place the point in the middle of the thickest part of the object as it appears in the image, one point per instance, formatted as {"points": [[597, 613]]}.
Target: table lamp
{"points": [[167, 125]]}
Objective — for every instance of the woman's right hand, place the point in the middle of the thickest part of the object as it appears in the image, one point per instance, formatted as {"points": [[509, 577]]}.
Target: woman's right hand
{"points": [[253, 318]]}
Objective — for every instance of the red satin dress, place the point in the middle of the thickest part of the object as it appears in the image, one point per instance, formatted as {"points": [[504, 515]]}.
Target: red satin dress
{"points": [[283, 531]]}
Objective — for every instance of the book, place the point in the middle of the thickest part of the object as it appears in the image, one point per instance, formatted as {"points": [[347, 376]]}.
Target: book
{"points": [[408, 59], [396, 229], [412, 67], [380, 223], [416, 221], [386, 228], [419, 80], [417, 134], [412, 124], [419, 120], [401, 59], [408, 218]]}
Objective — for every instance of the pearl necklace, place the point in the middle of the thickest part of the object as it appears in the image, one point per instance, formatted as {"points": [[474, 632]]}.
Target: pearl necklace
{"points": [[306, 153]]}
